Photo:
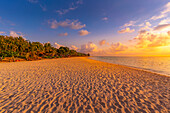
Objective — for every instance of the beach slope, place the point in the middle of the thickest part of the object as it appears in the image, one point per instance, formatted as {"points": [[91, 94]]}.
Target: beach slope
{"points": [[81, 85]]}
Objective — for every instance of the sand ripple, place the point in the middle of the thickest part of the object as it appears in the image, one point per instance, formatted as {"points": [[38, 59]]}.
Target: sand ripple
{"points": [[80, 85]]}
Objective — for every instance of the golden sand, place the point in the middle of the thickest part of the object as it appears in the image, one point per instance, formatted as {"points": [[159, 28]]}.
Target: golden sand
{"points": [[80, 85]]}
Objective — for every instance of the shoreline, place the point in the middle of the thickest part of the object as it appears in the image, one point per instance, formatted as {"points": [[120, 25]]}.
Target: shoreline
{"points": [[80, 84], [24, 60], [138, 68], [133, 67]]}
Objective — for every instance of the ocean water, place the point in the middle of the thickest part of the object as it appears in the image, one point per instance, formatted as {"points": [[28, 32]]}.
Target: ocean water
{"points": [[159, 65]]}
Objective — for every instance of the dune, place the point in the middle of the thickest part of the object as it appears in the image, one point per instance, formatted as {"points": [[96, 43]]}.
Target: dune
{"points": [[81, 85]]}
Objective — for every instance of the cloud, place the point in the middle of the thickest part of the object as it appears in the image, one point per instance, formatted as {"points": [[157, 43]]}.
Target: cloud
{"points": [[54, 24], [163, 13], [16, 34], [43, 7], [102, 42], [126, 30], [142, 31], [158, 17], [105, 18], [146, 26], [168, 33], [63, 34], [130, 23], [74, 24], [13, 34], [83, 32], [162, 27], [165, 21], [58, 45], [148, 39], [33, 1], [1, 32], [79, 2], [72, 7], [114, 48], [73, 47], [167, 8], [151, 39], [62, 11], [117, 47], [88, 48]]}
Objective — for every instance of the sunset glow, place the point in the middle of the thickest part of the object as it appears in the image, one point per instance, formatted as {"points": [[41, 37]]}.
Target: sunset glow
{"points": [[111, 28], [84, 56]]}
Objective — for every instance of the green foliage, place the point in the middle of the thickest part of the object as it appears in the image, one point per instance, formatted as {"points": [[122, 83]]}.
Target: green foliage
{"points": [[19, 47]]}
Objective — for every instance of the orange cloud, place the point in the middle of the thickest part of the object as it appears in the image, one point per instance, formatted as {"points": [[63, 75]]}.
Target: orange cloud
{"points": [[165, 21], [117, 47], [102, 42], [130, 23], [168, 33], [145, 26], [63, 34], [148, 24], [58, 45], [1, 32], [74, 24], [88, 48], [162, 27], [83, 32], [127, 30], [74, 47], [148, 39]]}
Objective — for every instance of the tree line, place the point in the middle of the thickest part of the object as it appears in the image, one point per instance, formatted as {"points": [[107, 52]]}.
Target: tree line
{"points": [[21, 48]]}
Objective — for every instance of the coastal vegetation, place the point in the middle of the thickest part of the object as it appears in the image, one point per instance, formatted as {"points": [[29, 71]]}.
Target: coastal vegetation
{"points": [[18, 48]]}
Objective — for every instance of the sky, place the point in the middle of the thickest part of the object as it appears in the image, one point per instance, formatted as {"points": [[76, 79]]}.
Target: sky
{"points": [[98, 27]]}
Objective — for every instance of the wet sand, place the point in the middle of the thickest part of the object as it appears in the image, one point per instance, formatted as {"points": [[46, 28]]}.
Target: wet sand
{"points": [[81, 85]]}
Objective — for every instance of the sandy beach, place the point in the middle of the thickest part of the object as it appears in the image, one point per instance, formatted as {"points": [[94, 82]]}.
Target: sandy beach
{"points": [[81, 85]]}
